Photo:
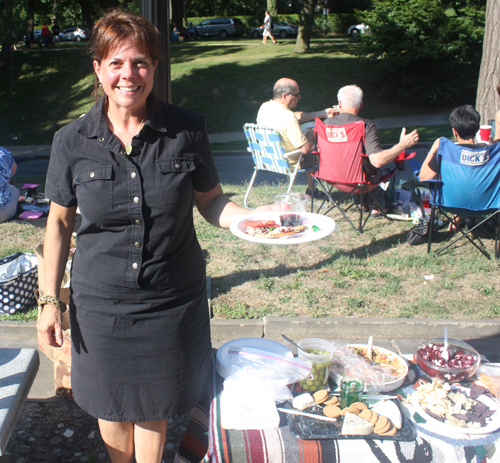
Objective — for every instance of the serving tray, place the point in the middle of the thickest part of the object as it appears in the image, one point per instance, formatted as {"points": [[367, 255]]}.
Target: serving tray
{"points": [[307, 428]]}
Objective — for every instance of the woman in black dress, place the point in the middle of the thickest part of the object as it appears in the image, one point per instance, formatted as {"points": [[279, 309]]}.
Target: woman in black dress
{"points": [[139, 317]]}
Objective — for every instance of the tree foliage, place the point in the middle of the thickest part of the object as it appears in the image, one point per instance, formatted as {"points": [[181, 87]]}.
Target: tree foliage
{"points": [[201, 8], [348, 6], [427, 50]]}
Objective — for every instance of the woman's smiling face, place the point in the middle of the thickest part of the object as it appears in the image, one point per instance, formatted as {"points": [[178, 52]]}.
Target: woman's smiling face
{"points": [[126, 76]]}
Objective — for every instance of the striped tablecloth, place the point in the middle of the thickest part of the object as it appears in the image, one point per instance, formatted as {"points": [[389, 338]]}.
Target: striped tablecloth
{"points": [[280, 446]]}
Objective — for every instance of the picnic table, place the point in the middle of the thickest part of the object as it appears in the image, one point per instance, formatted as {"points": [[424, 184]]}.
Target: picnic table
{"points": [[18, 368], [431, 443]]}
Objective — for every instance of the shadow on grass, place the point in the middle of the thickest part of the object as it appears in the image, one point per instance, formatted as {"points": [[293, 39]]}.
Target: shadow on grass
{"points": [[48, 91]]}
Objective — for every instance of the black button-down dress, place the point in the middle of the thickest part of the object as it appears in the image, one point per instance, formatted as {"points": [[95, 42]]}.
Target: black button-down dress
{"points": [[139, 316]]}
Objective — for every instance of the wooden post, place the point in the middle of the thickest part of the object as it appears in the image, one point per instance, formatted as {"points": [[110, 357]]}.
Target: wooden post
{"points": [[157, 11]]}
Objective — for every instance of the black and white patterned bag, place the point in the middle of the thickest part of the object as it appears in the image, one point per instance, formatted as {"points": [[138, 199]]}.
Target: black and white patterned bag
{"points": [[18, 281]]}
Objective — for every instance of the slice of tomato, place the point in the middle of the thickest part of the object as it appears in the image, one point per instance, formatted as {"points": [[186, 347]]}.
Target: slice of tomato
{"points": [[261, 223]]}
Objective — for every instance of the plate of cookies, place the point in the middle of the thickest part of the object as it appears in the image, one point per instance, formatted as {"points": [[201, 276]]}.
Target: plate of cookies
{"points": [[380, 418]]}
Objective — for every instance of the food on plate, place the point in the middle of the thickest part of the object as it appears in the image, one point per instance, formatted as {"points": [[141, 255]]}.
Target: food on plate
{"points": [[366, 414], [261, 223], [381, 425], [303, 401], [272, 233], [462, 363], [390, 410], [320, 396], [449, 406], [356, 425], [393, 363], [383, 374], [392, 431], [359, 405], [334, 400], [370, 421], [332, 411], [354, 410]]}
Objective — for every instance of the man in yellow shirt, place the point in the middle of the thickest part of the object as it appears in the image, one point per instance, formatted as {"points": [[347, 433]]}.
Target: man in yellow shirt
{"points": [[278, 113]]}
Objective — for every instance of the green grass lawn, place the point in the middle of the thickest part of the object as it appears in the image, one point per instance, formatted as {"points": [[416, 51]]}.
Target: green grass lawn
{"points": [[226, 80], [374, 274], [347, 274]]}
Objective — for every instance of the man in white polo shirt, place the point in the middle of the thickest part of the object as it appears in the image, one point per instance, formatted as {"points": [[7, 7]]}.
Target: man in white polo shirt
{"points": [[278, 113]]}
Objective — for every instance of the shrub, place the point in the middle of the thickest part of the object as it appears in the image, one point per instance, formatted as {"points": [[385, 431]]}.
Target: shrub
{"points": [[428, 50]]}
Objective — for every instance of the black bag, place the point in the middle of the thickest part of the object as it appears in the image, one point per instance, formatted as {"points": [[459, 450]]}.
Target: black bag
{"points": [[419, 234], [17, 290]]}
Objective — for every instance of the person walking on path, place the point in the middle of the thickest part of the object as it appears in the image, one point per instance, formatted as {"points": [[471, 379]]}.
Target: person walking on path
{"points": [[268, 25]]}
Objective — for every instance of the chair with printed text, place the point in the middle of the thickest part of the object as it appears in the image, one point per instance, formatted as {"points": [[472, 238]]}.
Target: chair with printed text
{"points": [[268, 154], [341, 150], [469, 186]]}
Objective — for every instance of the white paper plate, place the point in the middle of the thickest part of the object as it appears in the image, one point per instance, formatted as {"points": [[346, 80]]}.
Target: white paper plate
{"points": [[325, 224], [222, 358], [444, 428]]}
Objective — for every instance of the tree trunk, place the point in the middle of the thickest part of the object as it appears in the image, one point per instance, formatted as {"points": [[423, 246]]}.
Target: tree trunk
{"points": [[272, 7], [305, 26], [86, 13], [6, 37], [30, 22], [488, 100], [177, 13]]}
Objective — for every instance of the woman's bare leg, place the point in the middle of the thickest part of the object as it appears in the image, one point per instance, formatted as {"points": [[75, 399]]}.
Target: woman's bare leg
{"points": [[119, 440], [149, 440]]}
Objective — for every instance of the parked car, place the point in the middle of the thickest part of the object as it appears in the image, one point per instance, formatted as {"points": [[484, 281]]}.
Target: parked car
{"points": [[223, 27], [357, 29], [75, 33], [280, 29]]}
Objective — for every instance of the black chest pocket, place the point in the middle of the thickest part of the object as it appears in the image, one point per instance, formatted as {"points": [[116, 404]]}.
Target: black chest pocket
{"points": [[174, 179], [95, 187]]}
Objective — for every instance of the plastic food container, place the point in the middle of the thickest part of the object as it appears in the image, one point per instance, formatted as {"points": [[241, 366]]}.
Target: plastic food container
{"points": [[319, 352], [337, 372], [457, 349]]}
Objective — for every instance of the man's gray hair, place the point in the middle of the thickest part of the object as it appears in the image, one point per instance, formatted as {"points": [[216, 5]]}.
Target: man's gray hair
{"points": [[351, 96], [279, 89]]}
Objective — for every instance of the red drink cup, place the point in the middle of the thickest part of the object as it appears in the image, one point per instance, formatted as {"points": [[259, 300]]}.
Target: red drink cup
{"points": [[484, 133]]}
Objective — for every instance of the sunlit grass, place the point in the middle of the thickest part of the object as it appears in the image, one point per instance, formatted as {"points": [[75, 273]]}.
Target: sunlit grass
{"points": [[225, 80]]}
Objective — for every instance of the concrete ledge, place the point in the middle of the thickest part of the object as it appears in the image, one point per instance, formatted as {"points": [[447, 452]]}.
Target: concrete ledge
{"points": [[18, 368], [17, 330], [392, 328], [327, 328], [227, 330]]}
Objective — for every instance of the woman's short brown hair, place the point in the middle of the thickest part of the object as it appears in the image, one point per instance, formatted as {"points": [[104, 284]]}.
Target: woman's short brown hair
{"points": [[114, 27]]}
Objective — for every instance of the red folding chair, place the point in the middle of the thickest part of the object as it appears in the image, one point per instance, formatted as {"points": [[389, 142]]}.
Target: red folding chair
{"points": [[341, 150]]}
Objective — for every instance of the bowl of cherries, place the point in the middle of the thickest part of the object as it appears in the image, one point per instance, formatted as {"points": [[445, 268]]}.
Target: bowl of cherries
{"points": [[458, 362]]}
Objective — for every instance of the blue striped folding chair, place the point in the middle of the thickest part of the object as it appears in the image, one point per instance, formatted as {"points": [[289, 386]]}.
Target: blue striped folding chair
{"points": [[268, 154], [469, 186]]}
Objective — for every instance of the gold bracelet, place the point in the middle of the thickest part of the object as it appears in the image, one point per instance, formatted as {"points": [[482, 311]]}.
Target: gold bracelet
{"points": [[44, 300]]}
